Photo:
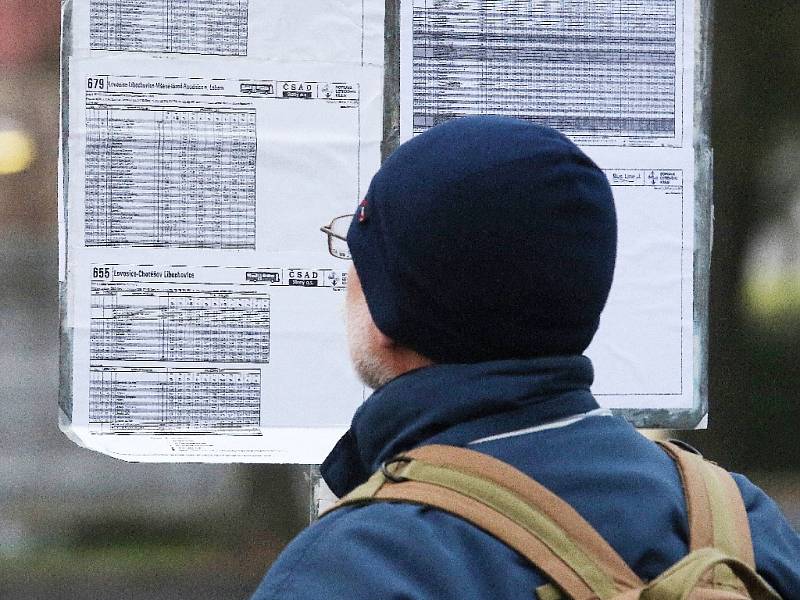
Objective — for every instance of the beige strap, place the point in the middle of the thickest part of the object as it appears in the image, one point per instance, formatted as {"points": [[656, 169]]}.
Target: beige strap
{"points": [[546, 530], [683, 578], [548, 592], [698, 506], [504, 529], [533, 493], [553, 536], [716, 512]]}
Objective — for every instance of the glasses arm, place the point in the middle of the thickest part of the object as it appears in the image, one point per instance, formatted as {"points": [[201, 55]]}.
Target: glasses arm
{"points": [[327, 229]]}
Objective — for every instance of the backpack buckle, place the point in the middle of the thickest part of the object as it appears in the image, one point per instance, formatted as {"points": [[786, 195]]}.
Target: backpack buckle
{"points": [[392, 476]]}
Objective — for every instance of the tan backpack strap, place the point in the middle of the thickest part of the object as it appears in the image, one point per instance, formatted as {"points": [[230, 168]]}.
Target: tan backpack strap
{"points": [[716, 512], [512, 507], [682, 578]]}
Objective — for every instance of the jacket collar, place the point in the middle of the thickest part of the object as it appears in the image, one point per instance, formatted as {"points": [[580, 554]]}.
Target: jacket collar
{"points": [[455, 404]]}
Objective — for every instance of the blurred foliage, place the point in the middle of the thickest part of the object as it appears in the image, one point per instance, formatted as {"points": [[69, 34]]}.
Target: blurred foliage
{"points": [[753, 378], [29, 105], [17, 151], [773, 302], [28, 32]]}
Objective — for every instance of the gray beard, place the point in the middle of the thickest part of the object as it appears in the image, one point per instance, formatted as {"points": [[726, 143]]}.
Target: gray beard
{"points": [[370, 370], [365, 354]]}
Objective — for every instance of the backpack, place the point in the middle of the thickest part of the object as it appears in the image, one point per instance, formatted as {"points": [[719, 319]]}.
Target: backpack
{"points": [[549, 533]]}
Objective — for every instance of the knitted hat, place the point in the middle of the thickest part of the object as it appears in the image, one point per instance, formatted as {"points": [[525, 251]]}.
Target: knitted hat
{"points": [[486, 238]]}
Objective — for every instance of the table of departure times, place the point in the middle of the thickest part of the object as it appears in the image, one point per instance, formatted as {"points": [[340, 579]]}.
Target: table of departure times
{"points": [[175, 400], [604, 68], [217, 27], [161, 177], [161, 325]]}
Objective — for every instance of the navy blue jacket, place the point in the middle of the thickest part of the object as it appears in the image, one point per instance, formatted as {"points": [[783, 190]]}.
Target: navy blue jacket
{"points": [[619, 481]]}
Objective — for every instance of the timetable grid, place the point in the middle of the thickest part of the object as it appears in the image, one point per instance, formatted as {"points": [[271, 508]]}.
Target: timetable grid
{"points": [[154, 325], [605, 68], [174, 400], [212, 27], [163, 177]]}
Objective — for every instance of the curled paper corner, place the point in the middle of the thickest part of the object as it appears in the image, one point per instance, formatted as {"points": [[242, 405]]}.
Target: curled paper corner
{"points": [[703, 424]]}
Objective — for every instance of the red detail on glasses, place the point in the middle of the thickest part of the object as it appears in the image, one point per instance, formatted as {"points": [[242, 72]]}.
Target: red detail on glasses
{"points": [[362, 211]]}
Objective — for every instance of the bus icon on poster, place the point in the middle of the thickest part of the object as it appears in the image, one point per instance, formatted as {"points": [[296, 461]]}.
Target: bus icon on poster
{"points": [[262, 276]]}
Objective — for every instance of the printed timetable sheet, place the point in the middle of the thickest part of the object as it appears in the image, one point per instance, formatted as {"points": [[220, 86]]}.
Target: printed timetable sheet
{"points": [[607, 72], [204, 144], [618, 78]]}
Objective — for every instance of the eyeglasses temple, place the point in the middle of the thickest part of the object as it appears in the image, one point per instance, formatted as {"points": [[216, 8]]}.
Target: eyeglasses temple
{"points": [[329, 231]]}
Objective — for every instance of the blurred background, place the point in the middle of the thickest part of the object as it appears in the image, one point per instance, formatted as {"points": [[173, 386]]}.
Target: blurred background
{"points": [[74, 524]]}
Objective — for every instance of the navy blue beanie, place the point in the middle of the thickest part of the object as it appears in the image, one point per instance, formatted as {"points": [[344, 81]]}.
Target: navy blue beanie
{"points": [[486, 238]]}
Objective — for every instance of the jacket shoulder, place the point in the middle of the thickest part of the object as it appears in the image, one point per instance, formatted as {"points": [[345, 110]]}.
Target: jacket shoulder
{"points": [[775, 543], [396, 550]]}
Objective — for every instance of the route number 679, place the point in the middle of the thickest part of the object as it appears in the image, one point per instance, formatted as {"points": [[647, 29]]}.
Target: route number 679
{"points": [[95, 83]]}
